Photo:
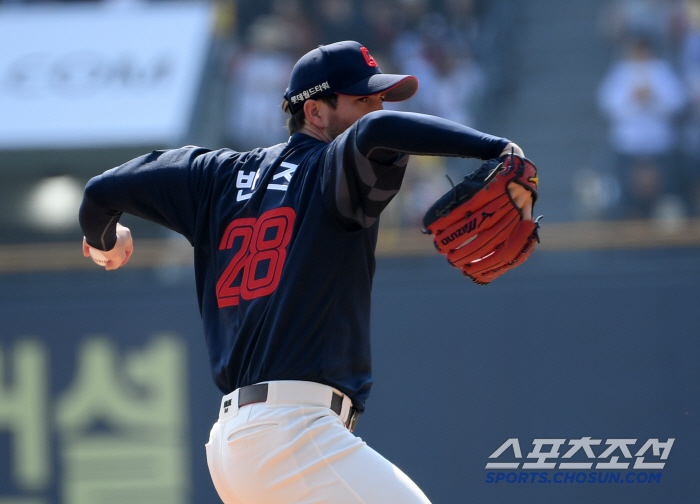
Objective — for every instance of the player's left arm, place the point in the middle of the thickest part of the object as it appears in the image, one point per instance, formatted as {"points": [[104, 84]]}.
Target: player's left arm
{"points": [[383, 134], [364, 166]]}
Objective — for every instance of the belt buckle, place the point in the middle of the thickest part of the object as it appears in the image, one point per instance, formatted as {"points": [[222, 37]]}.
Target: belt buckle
{"points": [[352, 419]]}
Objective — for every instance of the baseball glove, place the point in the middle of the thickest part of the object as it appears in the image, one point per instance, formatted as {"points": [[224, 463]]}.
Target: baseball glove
{"points": [[479, 226]]}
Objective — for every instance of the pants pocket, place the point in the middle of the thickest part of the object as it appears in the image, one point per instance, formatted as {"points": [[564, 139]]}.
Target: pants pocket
{"points": [[249, 431]]}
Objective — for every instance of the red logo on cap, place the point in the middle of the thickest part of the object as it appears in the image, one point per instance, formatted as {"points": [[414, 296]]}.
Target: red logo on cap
{"points": [[368, 57]]}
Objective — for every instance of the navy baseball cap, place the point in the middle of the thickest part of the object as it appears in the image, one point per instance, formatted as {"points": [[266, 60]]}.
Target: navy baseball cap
{"points": [[344, 68]]}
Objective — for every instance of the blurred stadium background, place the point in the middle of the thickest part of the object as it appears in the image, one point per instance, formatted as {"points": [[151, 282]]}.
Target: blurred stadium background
{"points": [[105, 394]]}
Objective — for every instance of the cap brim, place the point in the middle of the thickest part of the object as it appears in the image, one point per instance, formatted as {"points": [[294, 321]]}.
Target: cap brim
{"points": [[396, 87]]}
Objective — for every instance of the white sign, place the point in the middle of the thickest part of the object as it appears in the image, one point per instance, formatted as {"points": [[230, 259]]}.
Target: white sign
{"points": [[100, 74]]}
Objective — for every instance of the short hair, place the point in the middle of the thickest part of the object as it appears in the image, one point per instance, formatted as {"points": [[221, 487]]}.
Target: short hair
{"points": [[296, 121]]}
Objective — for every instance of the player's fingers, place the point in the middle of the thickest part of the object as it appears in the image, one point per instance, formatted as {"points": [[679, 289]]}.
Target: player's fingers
{"points": [[512, 148], [125, 245], [521, 198], [517, 192], [86, 248], [129, 250], [526, 209]]}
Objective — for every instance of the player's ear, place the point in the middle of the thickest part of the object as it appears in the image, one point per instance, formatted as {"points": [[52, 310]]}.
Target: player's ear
{"points": [[313, 110]]}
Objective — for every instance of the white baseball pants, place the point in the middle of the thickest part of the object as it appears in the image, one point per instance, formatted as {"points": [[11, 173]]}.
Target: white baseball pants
{"points": [[293, 449]]}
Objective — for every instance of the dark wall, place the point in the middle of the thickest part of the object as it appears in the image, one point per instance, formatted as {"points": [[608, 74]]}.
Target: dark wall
{"points": [[599, 344]]}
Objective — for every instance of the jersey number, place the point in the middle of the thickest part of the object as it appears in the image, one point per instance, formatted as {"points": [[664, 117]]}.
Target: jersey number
{"points": [[260, 257]]}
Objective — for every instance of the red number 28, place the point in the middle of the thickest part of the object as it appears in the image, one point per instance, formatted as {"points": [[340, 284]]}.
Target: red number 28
{"points": [[263, 240]]}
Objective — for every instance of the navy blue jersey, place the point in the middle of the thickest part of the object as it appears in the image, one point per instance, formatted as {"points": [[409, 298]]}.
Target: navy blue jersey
{"points": [[284, 240]]}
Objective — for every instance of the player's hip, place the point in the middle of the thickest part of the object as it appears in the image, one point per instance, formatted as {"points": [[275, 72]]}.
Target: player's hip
{"points": [[284, 442], [275, 447]]}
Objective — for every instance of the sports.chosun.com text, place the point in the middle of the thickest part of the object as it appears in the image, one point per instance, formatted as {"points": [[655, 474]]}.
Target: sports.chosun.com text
{"points": [[574, 477]]}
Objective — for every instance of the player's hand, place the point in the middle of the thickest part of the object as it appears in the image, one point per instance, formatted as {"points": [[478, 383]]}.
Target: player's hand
{"points": [[515, 150], [119, 255], [522, 199]]}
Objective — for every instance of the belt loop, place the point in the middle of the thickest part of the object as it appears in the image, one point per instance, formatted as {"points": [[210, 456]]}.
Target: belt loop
{"points": [[346, 409], [229, 405], [337, 403], [352, 419]]}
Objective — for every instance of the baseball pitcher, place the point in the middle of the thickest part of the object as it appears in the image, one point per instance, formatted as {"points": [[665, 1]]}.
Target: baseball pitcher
{"points": [[284, 241]]}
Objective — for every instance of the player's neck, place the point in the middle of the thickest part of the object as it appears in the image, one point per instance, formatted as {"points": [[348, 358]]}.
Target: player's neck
{"points": [[315, 132]]}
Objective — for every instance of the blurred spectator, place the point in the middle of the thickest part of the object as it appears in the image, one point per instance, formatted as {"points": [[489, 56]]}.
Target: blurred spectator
{"points": [[641, 95], [690, 67], [259, 76], [408, 45], [657, 18], [338, 20], [381, 22], [464, 23], [451, 82], [292, 19]]}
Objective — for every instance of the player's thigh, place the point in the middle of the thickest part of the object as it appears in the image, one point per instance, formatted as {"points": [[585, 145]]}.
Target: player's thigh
{"points": [[366, 477], [348, 471]]}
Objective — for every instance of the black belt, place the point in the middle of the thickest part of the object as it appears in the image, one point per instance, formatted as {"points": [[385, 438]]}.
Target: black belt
{"points": [[258, 393]]}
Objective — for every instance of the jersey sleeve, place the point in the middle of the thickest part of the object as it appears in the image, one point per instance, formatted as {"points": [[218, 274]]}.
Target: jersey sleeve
{"points": [[364, 167], [162, 187], [355, 187], [383, 134]]}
